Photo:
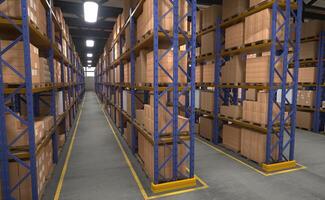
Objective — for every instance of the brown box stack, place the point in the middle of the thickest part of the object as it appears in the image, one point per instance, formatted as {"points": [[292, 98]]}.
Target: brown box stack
{"points": [[251, 94], [304, 120], [208, 43], [206, 101], [208, 72], [45, 75], [233, 111], [209, 15], [253, 145], [232, 8], [234, 36], [206, 127], [309, 50], [231, 137], [258, 26], [307, 75], [15, 57], [306, 98], [233, 71]]}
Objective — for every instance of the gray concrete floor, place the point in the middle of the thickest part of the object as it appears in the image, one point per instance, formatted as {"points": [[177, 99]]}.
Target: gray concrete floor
{"points": [[97, 169]]}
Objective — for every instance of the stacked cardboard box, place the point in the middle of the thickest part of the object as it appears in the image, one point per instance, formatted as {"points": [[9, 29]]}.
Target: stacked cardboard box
{"points": [[45, 75], [253, 145], [206, 127], [232, 8], [14, 129], [17, 172], [231, 137], [251, 94], [257, 111], [167, 63], [258, 26], [141, 66], [36, 12], [208, 43], [234, 36], [309, 50], [138, 100], [233, 71], [209, 16], [15, 58], [307, 75], [304, 119], [306, 98], [207, 101], [311, 28], [164, 151], [199, 73], [233, 111]]}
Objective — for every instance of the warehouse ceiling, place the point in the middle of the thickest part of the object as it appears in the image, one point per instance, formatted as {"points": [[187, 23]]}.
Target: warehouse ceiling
{"points": [[110, 9]]}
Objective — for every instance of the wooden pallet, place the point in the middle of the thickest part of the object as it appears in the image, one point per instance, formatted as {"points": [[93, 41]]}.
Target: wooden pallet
{"points": [[259, 4], [232, 49], [311, 38], [238, 118], [230, 18], [252, 44], [305, 129], [255, 124], [308, 60]]}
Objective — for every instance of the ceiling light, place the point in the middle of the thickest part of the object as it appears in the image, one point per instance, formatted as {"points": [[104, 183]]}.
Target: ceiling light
{"points": [[89, 65], [89, 55], [90, 11], [89, 61], [90, 43]]}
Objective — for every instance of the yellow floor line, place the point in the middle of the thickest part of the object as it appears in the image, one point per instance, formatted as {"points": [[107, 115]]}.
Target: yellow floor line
{"points": [[135, 176], [66, 162], [300, 167]]}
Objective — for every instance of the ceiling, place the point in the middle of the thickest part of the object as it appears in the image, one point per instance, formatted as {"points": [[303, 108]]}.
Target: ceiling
{"points": [[110, 9]]}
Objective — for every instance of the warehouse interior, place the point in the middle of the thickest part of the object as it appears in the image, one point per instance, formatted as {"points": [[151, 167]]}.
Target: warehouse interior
{"points": [[162, 99]]}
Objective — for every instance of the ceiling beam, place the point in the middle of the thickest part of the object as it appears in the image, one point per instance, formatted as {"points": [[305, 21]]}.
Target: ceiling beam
{"points": [[105, 25]]}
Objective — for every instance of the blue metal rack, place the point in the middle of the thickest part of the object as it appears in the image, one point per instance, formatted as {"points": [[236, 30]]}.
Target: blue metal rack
{"points": [[189, 88], [319, 117], [285, 136], [31, 96]]}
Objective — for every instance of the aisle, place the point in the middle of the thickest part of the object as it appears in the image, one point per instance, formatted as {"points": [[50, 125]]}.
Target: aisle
{"points": [[97, 169]]}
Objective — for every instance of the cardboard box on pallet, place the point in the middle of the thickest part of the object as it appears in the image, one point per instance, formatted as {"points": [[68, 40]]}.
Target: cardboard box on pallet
{"points": [[208, 72], [232, 8], [306, 98], [45, 75], [199, 21], [307, 75], [167, 63], [206, 127], [231, 137], [311, 28], [139, 99], [206, 101], [199, 73], [253, 145], [208, 43], [141, 66], [233, 71], [146, 153], [251, 94], [233, 111], [309, 50], [209, 15], [258, 26], [234, 36], [304, 120], [15, 57]]}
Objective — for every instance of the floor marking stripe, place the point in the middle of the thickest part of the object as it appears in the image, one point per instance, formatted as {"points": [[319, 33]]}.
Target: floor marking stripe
{"points": [[135, 176], [247, 165], [66, 162]]}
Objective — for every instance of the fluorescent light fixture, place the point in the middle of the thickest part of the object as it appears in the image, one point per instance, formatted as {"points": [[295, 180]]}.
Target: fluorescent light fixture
{"points": [[89, 65], [89, 61], [90, 11], [89, 55], [90, 43]]}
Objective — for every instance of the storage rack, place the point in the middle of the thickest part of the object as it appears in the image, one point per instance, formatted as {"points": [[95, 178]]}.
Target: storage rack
{"points": [[153, 41], [284, 134], [23, 30], [318, 87]]}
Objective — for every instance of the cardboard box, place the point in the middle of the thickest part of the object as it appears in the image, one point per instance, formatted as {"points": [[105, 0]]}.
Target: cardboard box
{"points": [[232, 8], [258, 26], [306, 98], [233, 71], [208, 70], [15, 57], [251, 94], [207, 101], [208, 43], [199, 74], [234, 36], [309, 50], [210, 15], [206, 127], [231, 137], [307, 75], [232, 111], [312, 28], [304, 120], [253, 145], [141, 67]]}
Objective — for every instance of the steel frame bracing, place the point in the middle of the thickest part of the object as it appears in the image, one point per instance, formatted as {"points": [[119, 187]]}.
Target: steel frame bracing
{"points": [[283, 149], [114, 91], [10, 100]]}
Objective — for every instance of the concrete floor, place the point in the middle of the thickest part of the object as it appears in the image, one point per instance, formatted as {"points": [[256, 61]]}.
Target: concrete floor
{"points": [[97, 169]]}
